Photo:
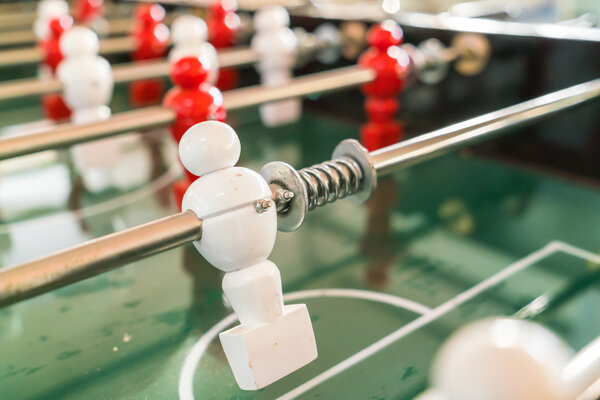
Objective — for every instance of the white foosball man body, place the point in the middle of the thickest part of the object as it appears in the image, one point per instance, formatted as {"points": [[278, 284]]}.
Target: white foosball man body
{"points": [[190, 38], [88, 83], [277, 46], [238, 234], [47, 10], [502, 358]]}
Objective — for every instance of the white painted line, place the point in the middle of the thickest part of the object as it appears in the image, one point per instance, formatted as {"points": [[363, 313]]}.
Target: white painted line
{"points": [[186, 378], [577, 252], [379, 297], [441, 310]]}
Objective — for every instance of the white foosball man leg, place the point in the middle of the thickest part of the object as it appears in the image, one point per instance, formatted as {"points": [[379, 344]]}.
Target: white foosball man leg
{"points": [[88, 83], [277, 46], [502, 358], [238, 234], [190, 38]]}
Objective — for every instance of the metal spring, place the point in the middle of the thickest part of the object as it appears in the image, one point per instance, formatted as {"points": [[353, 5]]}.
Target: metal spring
{"points": [[331, 180]]}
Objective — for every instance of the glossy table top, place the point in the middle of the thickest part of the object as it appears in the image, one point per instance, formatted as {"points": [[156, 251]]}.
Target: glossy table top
{"points": [[432, 232]]}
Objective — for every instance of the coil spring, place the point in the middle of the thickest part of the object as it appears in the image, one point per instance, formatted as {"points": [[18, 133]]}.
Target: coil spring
{"points": [[331, 180]]}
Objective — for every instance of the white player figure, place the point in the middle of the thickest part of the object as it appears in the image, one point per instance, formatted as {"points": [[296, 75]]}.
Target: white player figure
{"points": [[238, 234], [502, 358], [88, 83], [189, 35], [47, 10], [277, 47]]}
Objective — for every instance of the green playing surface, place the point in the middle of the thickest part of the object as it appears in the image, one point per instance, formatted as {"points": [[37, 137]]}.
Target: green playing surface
{"points": [[452, 240]]}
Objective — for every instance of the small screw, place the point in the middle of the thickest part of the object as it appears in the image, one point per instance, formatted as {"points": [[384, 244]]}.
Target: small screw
{"points": [[282, 199], [286, 195], [262, 205]]}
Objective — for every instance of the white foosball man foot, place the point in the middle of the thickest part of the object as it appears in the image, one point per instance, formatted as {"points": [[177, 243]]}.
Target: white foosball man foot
{"points": [[190, 39], [502, 358], [238, 234], [88, 84], [277, 46]]}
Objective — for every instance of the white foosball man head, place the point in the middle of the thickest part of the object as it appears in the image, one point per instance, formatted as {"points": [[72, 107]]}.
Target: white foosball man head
{"points": [[190, 38], [502, 358], [330, 35], [238, 233], [277, 47], [46, 11], [86, 77]]}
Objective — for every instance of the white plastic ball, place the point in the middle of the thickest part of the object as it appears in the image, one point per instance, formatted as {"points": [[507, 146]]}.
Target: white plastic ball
{"points": [[209, 146], [271, 18], [79, 41], [501, 358], [48, 9], [188, 29]]}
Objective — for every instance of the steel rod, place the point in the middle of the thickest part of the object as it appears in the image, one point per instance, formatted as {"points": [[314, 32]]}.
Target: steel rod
{"points": [[422, 147], [116, 27], [322, 82], [152, 117], [17, 19], [23, 18], [17, 38], [97, 256], [34, 55], [67, 134], [122, 73]]}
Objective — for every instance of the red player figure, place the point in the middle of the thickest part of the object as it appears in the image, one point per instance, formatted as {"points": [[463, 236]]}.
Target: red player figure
{"points": [[194, 101], [53, 104], [151, 38], [223, 26], [391, 65], [87, 11]]}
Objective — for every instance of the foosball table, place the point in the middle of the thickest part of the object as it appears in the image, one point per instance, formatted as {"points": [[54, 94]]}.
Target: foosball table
{"points": [[333, 200]]}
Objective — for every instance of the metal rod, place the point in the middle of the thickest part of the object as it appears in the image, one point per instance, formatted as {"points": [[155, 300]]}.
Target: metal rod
{"points": [[17, 38], [97, 256], [122, 73], [67, 134], [322, 82], [152, 117], [19, 88], [34, 55], [116, 27], [422, 147], [19, 17]]}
